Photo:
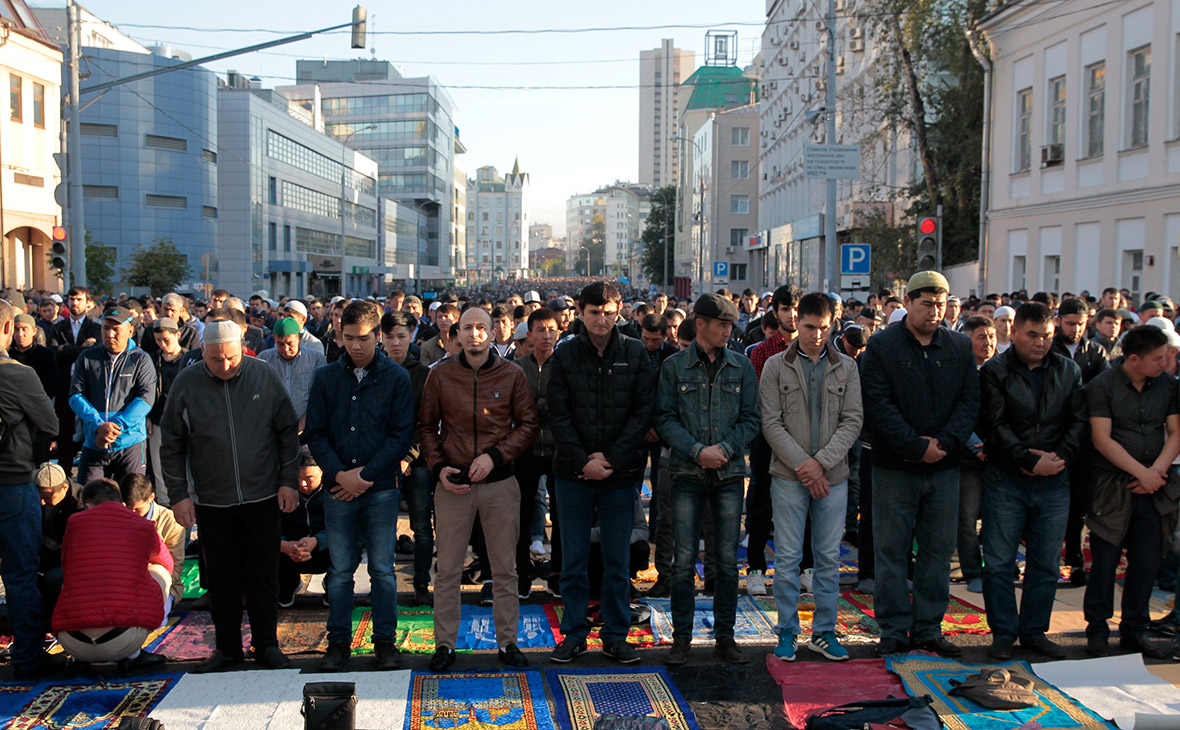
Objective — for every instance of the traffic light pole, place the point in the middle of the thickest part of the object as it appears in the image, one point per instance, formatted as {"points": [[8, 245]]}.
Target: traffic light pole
{"points": [[74, 151], [831, 268]]}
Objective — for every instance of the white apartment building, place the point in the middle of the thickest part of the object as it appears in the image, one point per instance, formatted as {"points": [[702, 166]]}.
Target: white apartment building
{"points": [[497, 224], [661, 71], [1085, 163], [580, 212]]}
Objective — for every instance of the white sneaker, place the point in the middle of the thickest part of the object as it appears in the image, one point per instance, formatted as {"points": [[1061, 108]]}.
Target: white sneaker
{"points": [[806, 581], [755, 583]]}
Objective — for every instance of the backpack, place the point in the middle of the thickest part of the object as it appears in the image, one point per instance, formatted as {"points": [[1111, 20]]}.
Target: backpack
{"points": [[857, 715], [996, 689]]}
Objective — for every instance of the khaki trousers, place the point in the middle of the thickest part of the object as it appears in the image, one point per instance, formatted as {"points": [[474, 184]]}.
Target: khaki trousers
{"points": [[122, 646], [498, 507]]}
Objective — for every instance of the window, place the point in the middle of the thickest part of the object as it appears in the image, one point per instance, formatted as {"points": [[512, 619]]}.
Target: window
{"points": [[1095, 108], [306, 159], [272, 191], [1024, 103], [738, 271], [1052, 275], [272, 237], [1057, 111], [1019, 266], [739, 204], [740, 136], [14, 104], [1140, 67], [739, 169], [39, 105], [287, 238], [1133, 271], [738, 236]]}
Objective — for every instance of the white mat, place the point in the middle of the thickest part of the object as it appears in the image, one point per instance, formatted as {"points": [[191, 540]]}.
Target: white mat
{"points": [[1117, 688], [270, 700]]}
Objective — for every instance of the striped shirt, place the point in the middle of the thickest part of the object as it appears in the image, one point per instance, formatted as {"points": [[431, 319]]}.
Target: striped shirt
{"points": [[296, 374]]}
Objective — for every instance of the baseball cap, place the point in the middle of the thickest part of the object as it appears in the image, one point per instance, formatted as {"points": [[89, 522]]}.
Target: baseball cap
{"points": [[165, 324], [56, 298], [296, 306], [286, 326], [834, 296], [435, 305], [522, 331], [558, 305], [855, 335], [16, 299], [1161, 322], [120, 315], [715, 306], [50, 476], [872, 313], [926, 280], [532, 296], [954, 299]]}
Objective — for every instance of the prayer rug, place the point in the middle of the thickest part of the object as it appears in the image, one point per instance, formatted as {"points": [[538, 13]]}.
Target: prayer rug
{"points": [[926, 675], [808, 687], [853, 625], [415, 630], [80, 705], [471, 700], [751, 626], [639, 635], [302, 631], [477, 628], [961, 617], [193, 637], [192, 580], [581, 695]]}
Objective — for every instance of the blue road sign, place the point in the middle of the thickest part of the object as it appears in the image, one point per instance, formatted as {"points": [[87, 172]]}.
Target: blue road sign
{"points": [[721, 269], [855, 258]]}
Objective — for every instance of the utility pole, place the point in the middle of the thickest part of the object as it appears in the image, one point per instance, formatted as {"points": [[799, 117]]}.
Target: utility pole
{"points": [[831, 269], [74, 151]]}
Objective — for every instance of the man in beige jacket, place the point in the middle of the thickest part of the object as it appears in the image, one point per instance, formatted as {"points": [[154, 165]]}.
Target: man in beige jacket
{"points": [[811, 416]]}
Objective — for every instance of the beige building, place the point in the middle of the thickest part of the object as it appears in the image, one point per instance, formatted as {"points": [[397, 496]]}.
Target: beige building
{"points": [[661, 71], [1085, 140], [29, 136], [497, 224]]}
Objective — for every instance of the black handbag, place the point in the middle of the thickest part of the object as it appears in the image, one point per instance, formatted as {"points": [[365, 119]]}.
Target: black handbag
{"points": [[329, 706], [855, 715]]}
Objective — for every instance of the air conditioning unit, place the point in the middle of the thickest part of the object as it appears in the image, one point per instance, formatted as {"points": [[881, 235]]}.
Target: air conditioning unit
{"points": [[1052, 154], [794, 45], [805, 98], [840, 65], [782, 61], [858, 32], [820, 27], [815, 70], [729, 249], [856, 45], [776, 41]]}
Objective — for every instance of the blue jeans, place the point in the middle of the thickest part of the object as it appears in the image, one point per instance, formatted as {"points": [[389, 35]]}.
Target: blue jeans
{"points": [[418, 489], [373, 515], [20, 553], [909, 504], [688, 502], [792, 505], [578, 503], [1035, 509]]}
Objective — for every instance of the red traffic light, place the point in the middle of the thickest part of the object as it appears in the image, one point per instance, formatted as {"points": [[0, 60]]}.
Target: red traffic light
{"points": [[59, 233], [927, 225]]}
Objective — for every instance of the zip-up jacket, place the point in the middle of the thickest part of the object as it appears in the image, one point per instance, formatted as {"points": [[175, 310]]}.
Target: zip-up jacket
{"points": [[418, 373], [1089, 355], [238, 439], [366, 424], [120, 389], [26, 413], [466, 413], [537, 376], [68, 349]]}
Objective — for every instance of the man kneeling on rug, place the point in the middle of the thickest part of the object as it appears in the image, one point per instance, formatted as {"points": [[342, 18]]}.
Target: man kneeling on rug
{"points": [[117, 578]]}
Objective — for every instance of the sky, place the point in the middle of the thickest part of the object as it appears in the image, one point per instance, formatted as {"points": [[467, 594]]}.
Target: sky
{"points": [[570, 141]]}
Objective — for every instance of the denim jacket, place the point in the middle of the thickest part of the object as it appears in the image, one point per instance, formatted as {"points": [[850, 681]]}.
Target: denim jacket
{"points": [[692, 413]]}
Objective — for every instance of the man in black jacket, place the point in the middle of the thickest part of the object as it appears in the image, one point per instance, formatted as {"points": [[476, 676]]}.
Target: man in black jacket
{"points": [[1032, 418], [71, 335], [601, 401], [921, 399]]}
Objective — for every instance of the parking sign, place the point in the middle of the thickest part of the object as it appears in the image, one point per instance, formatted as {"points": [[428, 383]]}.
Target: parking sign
{"points": [[855, 258]]}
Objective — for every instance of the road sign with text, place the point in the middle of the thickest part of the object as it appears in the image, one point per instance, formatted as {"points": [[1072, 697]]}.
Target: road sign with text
{"points": [[839, 161]]}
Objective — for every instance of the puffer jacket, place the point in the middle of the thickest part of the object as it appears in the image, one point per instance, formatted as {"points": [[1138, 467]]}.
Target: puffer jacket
{"points": [[601, 404], [105, 557], [537, 376], [119, 389], [238, 438], [785, 413], [25, 414]]}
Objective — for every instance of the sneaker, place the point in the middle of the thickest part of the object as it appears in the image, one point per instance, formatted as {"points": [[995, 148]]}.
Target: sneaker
{"points": [[442, 660], [828, 644], [975, 585], [513, 656], [1042, 645], [662, 588], [335, 658], [678, 654], [388, 657], [485, 594], [621, 652], [524, 590], [554, 584], [755, 583], [866, 585], [727, 650], [786, 646], [567, 651], [806, 581]]}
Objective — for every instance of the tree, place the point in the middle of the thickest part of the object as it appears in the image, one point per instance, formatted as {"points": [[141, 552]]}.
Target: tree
{"points": [[160, 267], [100, 265], [553, 267], [658, 252], [596, 243], [894, 251]]}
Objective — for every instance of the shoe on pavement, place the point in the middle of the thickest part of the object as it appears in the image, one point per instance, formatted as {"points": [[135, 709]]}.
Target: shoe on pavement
{"points": [[662, 588], [422, 596], [755, 583], [866, 585], [786, 646], [485, 594], [335, 658], [567, 651], [828, 644], [1140, 644], [1001, 648], [727, 650], [141, 662], [1041, 644], [1097, 646], [975, 585], [887, 647], [1176, 650], [1165, 624], [806, 581], [513, 656], [678, 654], [621, 652], [388, 657], [442, 660], [271, 658], [217, 662], [939, 645]]}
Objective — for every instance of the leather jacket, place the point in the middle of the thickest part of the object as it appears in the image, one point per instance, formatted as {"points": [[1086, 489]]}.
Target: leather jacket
{"points": [[1090, 356]]}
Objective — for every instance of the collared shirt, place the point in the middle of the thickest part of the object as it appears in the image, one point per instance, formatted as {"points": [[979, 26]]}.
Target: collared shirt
{"points": [[76, 326], [296, 374], [1036, 378], [763, 351], [1137, 417], [813, 374], [712, 367]]}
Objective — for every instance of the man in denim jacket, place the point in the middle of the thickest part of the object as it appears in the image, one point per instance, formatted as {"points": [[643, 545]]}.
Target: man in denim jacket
{"points": [[707, 412]]}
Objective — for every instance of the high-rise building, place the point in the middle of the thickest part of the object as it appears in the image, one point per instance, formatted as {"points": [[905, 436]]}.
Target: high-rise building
{"points": [[497, 224], [623, 209], [661, 72]]}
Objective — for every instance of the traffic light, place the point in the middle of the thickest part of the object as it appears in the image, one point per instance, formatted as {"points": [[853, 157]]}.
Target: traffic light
{"points": [[58, 257], [929, 244], [358, 26]]}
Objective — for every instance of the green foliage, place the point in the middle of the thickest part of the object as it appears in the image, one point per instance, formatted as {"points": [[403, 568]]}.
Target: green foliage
{"points": [[894, 251], [100, 265], [553, 267], [596, 243], [160, 267], [658, 251]]}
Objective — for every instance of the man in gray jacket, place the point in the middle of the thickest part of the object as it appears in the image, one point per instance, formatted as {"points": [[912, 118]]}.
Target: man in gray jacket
{"points": [[230, 425], [811, 417]]}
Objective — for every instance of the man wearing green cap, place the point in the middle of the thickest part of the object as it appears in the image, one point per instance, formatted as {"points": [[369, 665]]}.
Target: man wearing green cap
{"points": [[295, 364]]}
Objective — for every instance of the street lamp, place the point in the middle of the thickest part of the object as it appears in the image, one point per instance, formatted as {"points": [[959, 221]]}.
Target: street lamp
{"points": [[700, 216], [813, 116], [587, 250], [344, 170]]}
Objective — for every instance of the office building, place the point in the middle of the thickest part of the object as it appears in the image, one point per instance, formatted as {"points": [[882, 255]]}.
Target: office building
{"points": [[661, 71]]}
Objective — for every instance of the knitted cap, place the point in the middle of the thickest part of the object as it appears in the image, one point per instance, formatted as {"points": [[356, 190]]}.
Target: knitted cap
{"points": [[221, 331]]}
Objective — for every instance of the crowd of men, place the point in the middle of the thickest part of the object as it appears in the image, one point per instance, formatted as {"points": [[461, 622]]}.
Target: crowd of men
{"points": [[291, 434]]}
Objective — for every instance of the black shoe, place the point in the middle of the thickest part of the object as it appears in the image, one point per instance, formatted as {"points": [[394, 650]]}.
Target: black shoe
{"points": [[1001, 648], [1097, 646], [886, 647], [728, 651], [335, 658], [940, 646], [202, 603], [621, 652], [554, 583], [1140, 644], [1078, 576], [1176, 650], [217, 662], [141, 662], [271, 658], [1165, 624], [678, 654], [422, 596], [1041, 644], [567, 651], [49, 665], [513, 656], [662, 588], [405, 545], [710, 588], [388, 657], [485, 595], [442, 660]]}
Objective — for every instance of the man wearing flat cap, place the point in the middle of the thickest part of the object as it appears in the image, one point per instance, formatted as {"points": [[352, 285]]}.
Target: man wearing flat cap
{"points": [[707, 411]]}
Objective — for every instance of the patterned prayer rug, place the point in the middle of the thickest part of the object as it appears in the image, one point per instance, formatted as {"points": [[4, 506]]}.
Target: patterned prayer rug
{"points": [[79, 705], [640, 635], [853, 625], [415, 630], [193, 637], [477, 629], [961, 617], [192, 580], [478, 700], [751, 626], [926, 675], [582, 695]]}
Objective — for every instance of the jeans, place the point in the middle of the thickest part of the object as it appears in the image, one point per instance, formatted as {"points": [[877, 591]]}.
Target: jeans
{"points": [[792, 505], [906, 504], [1144, 553], [969, 545], [758, 504], [373, 515], [418, 489], [689, 501], [20, 553], [578, 503], [1035, 509]]}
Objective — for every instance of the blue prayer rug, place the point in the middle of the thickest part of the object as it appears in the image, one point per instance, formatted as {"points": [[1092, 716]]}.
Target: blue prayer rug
{"points": [[581, 695], [79, 704], [471, 700], [752, 625], [477, 628]]}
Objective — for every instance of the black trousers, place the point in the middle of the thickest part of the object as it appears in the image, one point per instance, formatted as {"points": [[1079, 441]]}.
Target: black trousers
{"points": [[1144, 553], [241, 549], [1081, 477], [529, 470], [866, 565], [290, 572], [759, 510]]}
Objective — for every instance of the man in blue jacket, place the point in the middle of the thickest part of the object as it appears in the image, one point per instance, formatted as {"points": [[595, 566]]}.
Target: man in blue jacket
{"points": [[112, 391], [360, 417]]}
